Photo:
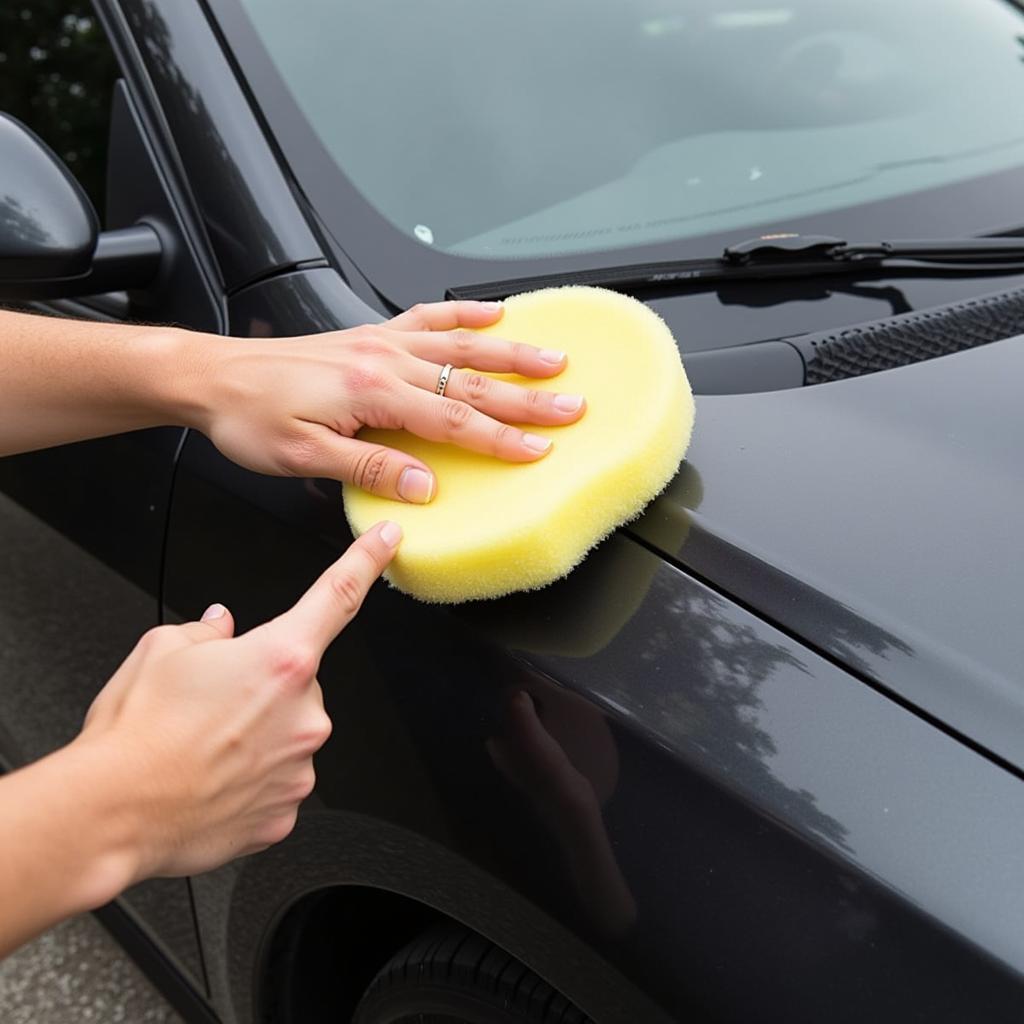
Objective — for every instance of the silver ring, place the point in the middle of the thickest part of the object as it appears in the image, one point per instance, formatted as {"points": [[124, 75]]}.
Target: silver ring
{"points": [[442, 381]]}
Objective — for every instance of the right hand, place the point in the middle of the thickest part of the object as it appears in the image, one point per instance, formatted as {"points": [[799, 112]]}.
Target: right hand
{"points": [[294, 406], [211, 737]]}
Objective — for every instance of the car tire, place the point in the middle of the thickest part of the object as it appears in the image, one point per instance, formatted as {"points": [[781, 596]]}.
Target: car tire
{"points": [[450, 975]]}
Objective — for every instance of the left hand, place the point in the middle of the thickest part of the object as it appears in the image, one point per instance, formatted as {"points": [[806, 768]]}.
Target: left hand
{"points": [[292, 407], [204, 741]]}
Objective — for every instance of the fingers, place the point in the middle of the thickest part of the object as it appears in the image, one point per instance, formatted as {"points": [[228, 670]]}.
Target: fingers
{"points": [[483, 352], [438, 334], [217, 623], [500, 399], [371, 467], [446, 316], [333, 600], [445, 419]]}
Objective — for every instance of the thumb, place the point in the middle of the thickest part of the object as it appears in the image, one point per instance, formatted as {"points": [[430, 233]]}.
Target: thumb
{"points": [[383, 471], [217, 623]]}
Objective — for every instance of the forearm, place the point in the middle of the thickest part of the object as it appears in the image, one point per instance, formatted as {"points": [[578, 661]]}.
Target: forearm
{"points": [[70, 841], [65, 380]]}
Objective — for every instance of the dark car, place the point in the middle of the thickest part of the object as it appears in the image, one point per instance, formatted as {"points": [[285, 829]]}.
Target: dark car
{"points": [[760, 757]]}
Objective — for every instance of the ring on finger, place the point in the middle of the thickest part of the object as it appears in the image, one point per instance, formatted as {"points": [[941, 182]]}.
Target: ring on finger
{"points": [[442, 380]]}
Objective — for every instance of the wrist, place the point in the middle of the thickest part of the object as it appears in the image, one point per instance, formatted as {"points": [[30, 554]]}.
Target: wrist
{"points": [[108, 828], [185, 376]]}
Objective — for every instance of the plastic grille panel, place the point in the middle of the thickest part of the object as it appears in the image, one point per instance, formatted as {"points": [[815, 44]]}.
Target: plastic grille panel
{"points": [[911, 337]]}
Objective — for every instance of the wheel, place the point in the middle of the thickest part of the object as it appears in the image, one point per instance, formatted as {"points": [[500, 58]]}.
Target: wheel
{"points": [[450, 975]]}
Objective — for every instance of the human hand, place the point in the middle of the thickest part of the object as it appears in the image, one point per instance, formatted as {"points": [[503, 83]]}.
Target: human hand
{"points": [[210, 738], [292, 407]]}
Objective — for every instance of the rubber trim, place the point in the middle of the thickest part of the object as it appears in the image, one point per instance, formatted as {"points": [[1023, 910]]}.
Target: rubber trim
{"points": [[910, 338], [174, 987]]}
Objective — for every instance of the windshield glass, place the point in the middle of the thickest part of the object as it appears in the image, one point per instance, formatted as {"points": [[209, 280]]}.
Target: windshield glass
{"points": [[520, 130]]}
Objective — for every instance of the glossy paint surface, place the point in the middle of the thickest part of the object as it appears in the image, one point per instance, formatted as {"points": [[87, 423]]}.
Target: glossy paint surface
{"points": [[675, 781], [691, 789], [703, 321], [876, 517], [252, 222], [47, 225], [689, 793]]}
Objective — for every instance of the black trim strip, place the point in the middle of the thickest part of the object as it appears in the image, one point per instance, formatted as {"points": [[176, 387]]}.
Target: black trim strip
{"points": [[169, 981], [910, 338]]}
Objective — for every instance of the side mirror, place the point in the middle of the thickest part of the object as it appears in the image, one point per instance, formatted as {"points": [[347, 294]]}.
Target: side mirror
{"points": [[50, 242]]}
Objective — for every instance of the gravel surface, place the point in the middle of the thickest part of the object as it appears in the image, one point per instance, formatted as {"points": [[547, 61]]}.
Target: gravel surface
{"points": [[76, 972]]}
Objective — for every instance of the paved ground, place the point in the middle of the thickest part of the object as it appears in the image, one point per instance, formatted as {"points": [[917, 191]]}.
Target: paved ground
{"points": [[74, 973]]}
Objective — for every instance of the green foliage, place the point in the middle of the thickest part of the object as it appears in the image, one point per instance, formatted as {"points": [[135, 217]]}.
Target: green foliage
{"points": [[56, 75]]}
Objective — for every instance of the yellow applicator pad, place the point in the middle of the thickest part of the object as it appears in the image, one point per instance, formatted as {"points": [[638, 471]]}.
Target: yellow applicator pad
{"points": [[495, 527]]}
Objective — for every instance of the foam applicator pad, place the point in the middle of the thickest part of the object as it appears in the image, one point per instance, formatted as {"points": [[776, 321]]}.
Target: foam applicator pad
{"points": [[495, 527]]}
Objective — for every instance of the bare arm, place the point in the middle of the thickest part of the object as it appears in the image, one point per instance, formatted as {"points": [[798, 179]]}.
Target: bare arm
{"points": [[289, 407], [198, 750], [67, 380], [70, 841]]}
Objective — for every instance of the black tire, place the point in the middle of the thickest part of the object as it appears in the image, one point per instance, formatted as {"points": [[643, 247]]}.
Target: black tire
{"points": [[450, 975]]}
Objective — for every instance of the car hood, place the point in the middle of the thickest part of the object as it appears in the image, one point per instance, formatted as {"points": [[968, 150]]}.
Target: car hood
{"points": [[878, 518]]}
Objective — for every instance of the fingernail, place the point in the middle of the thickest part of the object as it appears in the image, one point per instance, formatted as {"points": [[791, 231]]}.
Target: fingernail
{"points": [[536, 442], [215, 611], [416, 485], [390, 533], [550, 355], [568, 403], [491, 307]]}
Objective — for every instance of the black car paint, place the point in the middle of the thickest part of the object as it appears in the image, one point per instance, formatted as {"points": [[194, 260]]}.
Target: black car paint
{"points": [[792, 835], [51, 225], [699, 697], [250, 220], [890, 499]]}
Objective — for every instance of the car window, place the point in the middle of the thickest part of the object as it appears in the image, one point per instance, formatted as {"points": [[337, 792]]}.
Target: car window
{"points": [[525, 130], [57, 72]]}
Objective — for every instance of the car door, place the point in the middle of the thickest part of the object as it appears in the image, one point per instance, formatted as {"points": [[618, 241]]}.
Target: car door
{"points": [[82, 525]]}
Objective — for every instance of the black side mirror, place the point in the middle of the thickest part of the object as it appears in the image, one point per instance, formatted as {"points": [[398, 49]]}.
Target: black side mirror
{"points": [[50, 242]]}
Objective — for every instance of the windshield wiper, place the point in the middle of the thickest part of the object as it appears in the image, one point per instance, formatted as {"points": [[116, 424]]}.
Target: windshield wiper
{"points": [[780, 255]]}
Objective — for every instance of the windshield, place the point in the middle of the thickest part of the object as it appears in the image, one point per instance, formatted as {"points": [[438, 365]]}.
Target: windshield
{"points": [[509, 131]]}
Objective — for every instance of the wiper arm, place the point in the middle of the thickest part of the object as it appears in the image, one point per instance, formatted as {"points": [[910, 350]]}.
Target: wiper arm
{"points": [[781, 255], [783, 248]]}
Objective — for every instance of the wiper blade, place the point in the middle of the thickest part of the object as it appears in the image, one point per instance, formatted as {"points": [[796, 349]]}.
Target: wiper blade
{"points": [[782, 248], [780, 255]]}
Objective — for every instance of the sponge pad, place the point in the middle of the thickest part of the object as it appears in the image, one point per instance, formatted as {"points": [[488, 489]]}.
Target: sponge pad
{"points": [[495, 527]]}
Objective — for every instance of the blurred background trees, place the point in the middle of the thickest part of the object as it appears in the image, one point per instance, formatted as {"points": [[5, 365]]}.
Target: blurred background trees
{"points": [[56, 74]]}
